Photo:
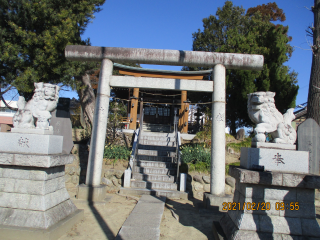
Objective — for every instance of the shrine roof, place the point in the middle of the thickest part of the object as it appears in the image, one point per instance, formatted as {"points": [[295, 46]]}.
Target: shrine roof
{"points": [[164, 72]]}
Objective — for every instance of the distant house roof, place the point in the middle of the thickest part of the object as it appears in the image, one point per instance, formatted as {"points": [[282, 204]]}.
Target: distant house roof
{"points": [[10, 103], [300, 113]]}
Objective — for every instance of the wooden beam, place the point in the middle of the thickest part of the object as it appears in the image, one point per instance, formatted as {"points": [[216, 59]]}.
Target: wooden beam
{"points": [[159, 75], [134, 109]]}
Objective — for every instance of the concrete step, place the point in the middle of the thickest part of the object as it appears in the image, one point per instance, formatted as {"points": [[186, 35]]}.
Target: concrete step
{"points": [[154, 185], [157, 134], [152, 147], [157, 143], [160, 171], [160, 153], [153, 177], [156, 128], [166, 193], [143, 163], [155, 158], [158, 138]]}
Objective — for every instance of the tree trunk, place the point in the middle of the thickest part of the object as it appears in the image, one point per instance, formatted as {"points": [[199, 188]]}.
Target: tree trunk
{"points": [[233, 128], [313, 109], [87, 99]]}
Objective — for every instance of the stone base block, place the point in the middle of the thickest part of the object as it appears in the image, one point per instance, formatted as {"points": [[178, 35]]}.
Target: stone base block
{"points": [[12, 185], [275, 159], [30, 143], [33, 197], [281, 179], [35, 160], [91, 193], [232, 232], [52, 233], [31, 173], [273, 145], [32, 131], [272, 205], [33, 202], [36, 219], [214, 202]]}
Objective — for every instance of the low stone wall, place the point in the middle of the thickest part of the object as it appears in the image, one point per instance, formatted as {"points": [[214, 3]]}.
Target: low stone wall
{"points": [[198, 184], [76, 171], [113, 179]]}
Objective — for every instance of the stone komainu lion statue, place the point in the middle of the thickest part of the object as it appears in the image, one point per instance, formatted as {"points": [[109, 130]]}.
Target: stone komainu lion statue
{"points": [[39, 108], [263, 112]]}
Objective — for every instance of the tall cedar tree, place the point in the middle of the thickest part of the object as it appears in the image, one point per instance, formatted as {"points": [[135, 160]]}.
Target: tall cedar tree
{"points": [[314, 84], [233, 31], [33, 36]]}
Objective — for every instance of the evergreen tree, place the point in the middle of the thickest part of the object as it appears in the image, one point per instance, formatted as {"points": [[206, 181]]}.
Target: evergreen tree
{"points": [[234, 31], [33, 36]]}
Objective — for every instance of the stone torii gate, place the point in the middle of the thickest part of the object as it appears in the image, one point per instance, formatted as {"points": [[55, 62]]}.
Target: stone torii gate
{"points": [[218, 61]]}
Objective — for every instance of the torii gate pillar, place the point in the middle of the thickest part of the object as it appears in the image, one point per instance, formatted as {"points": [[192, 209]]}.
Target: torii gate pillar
{"points": [[218, 137]]}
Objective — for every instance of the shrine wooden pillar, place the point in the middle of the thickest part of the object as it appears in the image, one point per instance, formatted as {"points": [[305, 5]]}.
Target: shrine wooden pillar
{"points": [[134, 109], [183, 113]]}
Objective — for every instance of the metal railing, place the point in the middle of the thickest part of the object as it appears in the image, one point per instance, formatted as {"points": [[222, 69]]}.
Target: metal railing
{"points": [[134, 152], [135, 145], [177, 142], [141, 122]]}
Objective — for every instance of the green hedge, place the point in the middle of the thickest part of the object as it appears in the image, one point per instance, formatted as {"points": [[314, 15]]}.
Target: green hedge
{"points": [[196, 156], [237, 146], [117, 152]]}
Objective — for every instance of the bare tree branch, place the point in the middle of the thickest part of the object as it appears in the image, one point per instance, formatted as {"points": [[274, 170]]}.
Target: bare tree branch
{"points": [[302, 48], [308, 8], [5, 90], [7, 105]]}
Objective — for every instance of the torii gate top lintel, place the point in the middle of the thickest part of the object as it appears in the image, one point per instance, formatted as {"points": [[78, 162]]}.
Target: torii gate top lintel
{"points": [[165, 57]]}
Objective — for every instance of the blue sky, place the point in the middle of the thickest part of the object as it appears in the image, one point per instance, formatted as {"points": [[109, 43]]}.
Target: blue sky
{"points": [[169, 25]]}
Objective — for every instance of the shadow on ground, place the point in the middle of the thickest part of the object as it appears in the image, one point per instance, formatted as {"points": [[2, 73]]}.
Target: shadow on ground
{"points": [[189, 214]]}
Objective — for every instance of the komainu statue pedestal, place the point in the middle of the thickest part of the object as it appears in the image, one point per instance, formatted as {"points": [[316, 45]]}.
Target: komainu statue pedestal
{"points": [[34, 202], [272, 205]]}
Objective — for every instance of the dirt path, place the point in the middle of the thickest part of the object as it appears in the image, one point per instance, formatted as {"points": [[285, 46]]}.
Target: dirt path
{"points": [[101, 222], [182, 219], [104, 221]]}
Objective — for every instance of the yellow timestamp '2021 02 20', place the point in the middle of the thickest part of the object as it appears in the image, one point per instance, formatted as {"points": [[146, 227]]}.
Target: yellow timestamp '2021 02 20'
{"points": [[262, 206]]}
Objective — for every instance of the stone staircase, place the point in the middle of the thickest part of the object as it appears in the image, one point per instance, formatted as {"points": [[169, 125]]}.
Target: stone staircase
{"points": [[155, 170], [151, 127]]}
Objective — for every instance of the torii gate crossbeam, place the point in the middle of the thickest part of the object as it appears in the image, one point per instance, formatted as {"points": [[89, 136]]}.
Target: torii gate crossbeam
{"points": [[219, 62]]}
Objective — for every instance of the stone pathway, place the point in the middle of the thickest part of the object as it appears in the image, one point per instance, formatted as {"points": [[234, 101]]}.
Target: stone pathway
{"points": [[144, 220]]}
